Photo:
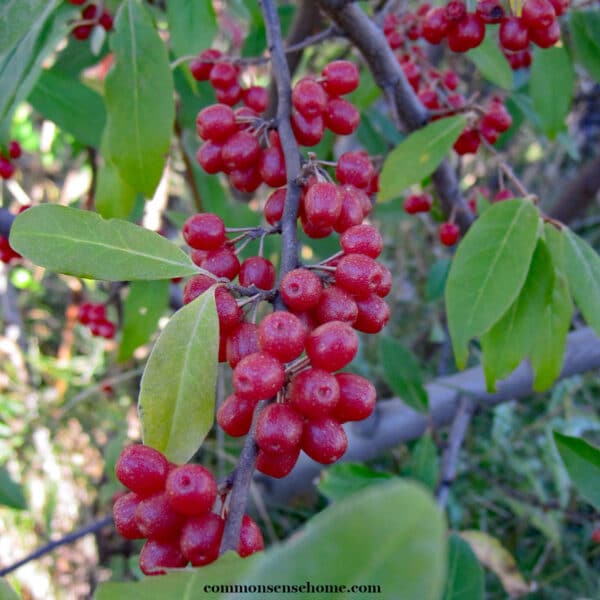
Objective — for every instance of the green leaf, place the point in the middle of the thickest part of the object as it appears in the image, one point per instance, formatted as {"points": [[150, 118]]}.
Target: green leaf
{"points": [[582, 461], [418, 155], [143, 307], [465, 574], [551, 87], [7, 592], [177, 393], [403, 374], [489, 270], [11, 493], [423, 464], [583, 273], [511, 339], [16, 18], [492, 64], [344, 479], [436, 279], [73, 106], [114, 197], [390, 535], [139, 99], [192, 25], [81, 243], [585, 44]]}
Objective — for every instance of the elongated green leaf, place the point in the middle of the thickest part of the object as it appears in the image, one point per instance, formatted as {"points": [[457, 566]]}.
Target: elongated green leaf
{"points": [[585, 44], [114, 197], [139, 99], [73, 106], [16, 18], [583, 273], [6, 591], [177, 394], [465, 575], [492, 63], [390, 535], [489, 270], [551, 87], [423, 464], [143, 307], [81, 243], [403, 374], [511, 339], [436, 279], [582, 461], [418, 155], [343, 480], [192, 25], [11, 493]]}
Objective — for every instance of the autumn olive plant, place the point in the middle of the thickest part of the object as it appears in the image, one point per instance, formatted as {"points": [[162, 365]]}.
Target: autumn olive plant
{"points": [[284, 327]]}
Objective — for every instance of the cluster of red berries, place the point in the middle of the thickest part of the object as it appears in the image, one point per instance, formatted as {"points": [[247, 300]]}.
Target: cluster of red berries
{"points": [[7, 167], [94, 316], [91, 16], [172, 506]]}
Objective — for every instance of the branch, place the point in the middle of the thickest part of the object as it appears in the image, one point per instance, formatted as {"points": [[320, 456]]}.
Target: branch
{"points": [[6, 220], [289, 254], [67, 539], [395, 423], [388, 74]]}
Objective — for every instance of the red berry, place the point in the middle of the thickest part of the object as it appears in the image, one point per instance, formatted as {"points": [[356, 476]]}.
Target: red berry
{"points": [[354, 168], [7, 169], [222, 263], [256, 98], [451, 80], [324, 440], [245, 117], [315, 232], [357, 398], [466, 34], [204, 231], [352, 212], [216, 122], [278, 429], [435, 25], [240, 151], [322, 204], [596, 535], [560, 6], [245, 180], [336, 305], [314, 393], [124, 515], [513, 34], [456, 10], [488, 132], [362, 239], [498, 117], [257, 271], [230, 96], [341, 117], [82, 32], [309, 98], [251, 539], [77, 2], [274, 206], [106, 20], [307, 131], [235, 415], [416, 203], [157, 556], [191, 490], [240, 343], [228, 311], [385, 286], [358, 274], [199, 256], [373, 314], [538, 14], [449, 233], [14, 149], [468, 142], [300, 289], [331, 346], [202, 65], [429, 99], [201, 539], [258, 376], [490, 11], [209, 157], [545, 38], [282, 335], [223, 75], [157, 519], [276, 465], [271, 167], [142, 469], [104, 328], [504, 194], [341, 77], [90, 12]]}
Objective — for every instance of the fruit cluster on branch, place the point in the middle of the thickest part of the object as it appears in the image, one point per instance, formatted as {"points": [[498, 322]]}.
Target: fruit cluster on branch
{"points": [[92, 16]]}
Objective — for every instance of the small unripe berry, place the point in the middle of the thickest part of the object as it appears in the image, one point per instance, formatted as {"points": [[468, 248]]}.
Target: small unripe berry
{"points": [[258, 376], [324, 440]]}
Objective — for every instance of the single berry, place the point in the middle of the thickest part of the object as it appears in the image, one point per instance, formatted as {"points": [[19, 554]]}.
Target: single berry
{"points": [[313, 231], [191, 490], [216, 123], [468, 142], [513, 34], [157, 519], [278, 429], [14, 149], [124, 515], [142, 469], [466, 34], [106, 20], [435, 25], [235, 415], [314, 393], [282, 335], [362, 239], [490, 11], [341, 77], [271, 167], [258, 376], [274, 206], [228, 311], [324, 440], [323, 204], [354, 168], [385, 286], [538, 14], [209, 158], [223, 75], [7, 169], [246, 180], [240, 151], [546, 37], [307, 131], [503, 194], [201, 539], [336, 304], [82, 32], [300, 289], [204, 231], [560, 6], [309, 98], [242, 342], [357, 398], [222, 263], [256, 98], [156, 556], [341, 117], [352, 212], [276, 465], [257, 271], [497, 116], [358, 274], [456, 11], [331, 346], [251, 539], [449, 233], [417, 203], [202, 65], [196, 286], [373, 314]]}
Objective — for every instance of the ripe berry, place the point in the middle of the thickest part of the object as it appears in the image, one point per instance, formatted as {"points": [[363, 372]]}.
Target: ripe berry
{"points": [[245, 180], [451, 80], [324, 440], [106, 20], [416, 203], [341, 77], [191, 489], [560, 6], [104, 328], [235, 415], [202, 65], [307, 131], [209, 157], [230, 96], [14, 149], [142, 469], [358, 274], [271, 167], [547, 37], [504, 194], [223, 75], [124, 515], [490, 11], [278, 429], [341, 117], [156, 556], [7, 169], [257, 271], [315, 232], [466, 34], [157, 519], [322, 204], [256, 97], [352, 212], [282, 335], [362, 239], [82, 32], [354, 168], [435, 25], [309, 98], [336, 305], [276, 465], [222, 263], [251, 539], [468, 142], [331, 346], [300, 289], [449, 233], [201, 538], [357, 398], [538, 14], [216, 122], [385, 286], [240, 151], [258, 376], [314, 393], [199, 256], [456, 10], [242, 342], [514, 34], [373, 314], [204, 231], [274, 206]]}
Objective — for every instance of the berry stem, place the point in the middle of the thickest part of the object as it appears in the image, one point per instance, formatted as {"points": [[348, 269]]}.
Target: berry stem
{"points": [[505, 168]]}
